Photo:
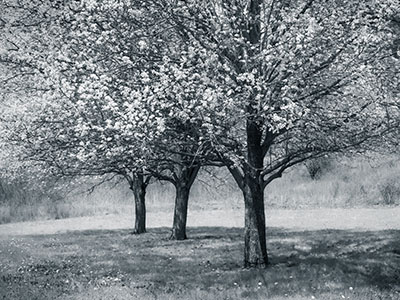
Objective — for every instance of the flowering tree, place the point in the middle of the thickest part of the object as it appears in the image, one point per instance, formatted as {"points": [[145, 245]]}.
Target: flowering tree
{"points": [[282, 82], [98, 115], [119, 58]]}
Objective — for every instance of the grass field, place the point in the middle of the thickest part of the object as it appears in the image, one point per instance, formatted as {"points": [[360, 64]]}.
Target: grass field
{"points": [[113, 264]]}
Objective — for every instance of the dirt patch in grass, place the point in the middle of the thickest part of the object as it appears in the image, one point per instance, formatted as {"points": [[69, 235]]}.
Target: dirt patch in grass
{"points": [[113, 264]]}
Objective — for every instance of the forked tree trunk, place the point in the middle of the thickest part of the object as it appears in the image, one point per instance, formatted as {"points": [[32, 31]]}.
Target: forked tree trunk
{"points": [[138, 187], [180, 212], [186, 177], [255, 247]]}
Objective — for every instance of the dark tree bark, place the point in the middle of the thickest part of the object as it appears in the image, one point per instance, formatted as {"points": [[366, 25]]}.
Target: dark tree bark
{"points": [[184, 182], [255, 247], [250, 180], [138, 186], [180, 212]]}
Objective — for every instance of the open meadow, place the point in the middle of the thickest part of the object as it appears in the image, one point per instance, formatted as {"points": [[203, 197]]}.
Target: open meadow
{"points": [[321, 259]]}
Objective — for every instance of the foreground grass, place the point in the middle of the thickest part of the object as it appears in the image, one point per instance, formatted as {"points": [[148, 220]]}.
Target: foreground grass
{"points": [[327, 264]]}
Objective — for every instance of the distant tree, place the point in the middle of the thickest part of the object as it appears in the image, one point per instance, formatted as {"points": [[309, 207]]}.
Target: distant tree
{"points": [[319, 166]]}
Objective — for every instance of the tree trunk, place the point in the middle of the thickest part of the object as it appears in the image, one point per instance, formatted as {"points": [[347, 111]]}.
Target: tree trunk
{"points": [[139, 190], [180, 212], [255, 247], [185, 178]]}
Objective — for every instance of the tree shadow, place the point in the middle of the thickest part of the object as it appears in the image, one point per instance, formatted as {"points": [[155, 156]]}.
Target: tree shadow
{"points": [[341, 257], [365, 257], [305, 261]]}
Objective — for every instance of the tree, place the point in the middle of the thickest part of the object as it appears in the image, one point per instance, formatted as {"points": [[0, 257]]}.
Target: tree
{"points": [[101, 67], [318, 167], [287, 81], [117, 73], [34, 59]]}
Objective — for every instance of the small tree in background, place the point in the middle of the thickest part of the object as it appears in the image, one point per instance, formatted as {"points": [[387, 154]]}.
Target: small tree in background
{"points": [[318, 167]]}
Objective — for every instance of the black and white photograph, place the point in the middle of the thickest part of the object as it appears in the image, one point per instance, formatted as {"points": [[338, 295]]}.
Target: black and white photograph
{"points": [[199, 149]]}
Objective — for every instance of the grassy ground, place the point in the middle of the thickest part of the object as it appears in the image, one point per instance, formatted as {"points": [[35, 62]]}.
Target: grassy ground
{"points": [[322, 264]]}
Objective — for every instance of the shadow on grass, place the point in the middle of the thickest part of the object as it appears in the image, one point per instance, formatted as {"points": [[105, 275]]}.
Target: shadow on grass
{"points": [[301, 262]]}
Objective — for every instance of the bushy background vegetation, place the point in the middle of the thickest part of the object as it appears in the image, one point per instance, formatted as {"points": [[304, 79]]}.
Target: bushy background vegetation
{"points": [[326, 182]]}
